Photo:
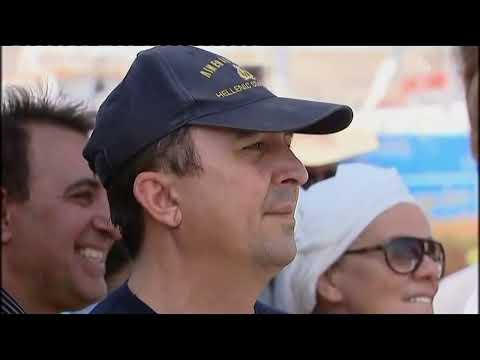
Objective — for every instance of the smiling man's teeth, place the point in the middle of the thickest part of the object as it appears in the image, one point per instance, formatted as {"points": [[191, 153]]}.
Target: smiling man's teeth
{"points": [[92, 254], [421, 299]]}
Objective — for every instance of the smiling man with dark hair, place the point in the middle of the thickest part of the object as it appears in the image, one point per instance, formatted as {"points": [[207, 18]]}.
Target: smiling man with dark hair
{"points": [[56, 230]]}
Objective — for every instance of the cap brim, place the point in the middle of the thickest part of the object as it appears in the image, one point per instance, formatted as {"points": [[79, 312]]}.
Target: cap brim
{"points": [[275, 114]]}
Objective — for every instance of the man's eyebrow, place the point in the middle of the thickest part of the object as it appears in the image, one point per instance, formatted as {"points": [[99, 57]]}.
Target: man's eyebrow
{"points": [[89, 182], [244, 134]]}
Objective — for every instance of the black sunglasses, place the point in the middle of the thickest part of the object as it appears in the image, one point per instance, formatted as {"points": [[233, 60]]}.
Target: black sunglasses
{"points": [[404, 254]]}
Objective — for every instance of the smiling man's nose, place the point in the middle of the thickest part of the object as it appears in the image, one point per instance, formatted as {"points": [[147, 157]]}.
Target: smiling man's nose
{"points": [[105, 226]]}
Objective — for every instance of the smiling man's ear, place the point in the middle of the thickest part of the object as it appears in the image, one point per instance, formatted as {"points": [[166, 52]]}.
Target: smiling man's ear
{"points": [[153, 190]]}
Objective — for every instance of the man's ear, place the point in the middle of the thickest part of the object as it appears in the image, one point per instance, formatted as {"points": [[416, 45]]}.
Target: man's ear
{"points": [[328, 289], [154, 192], [6, 224]]}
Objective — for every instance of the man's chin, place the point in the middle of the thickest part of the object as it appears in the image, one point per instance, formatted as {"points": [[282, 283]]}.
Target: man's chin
{"points": [[94, 292], [285, 253]]}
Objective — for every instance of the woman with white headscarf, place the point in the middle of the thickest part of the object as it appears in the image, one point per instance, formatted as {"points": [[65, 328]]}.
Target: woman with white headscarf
{"points": [[363, 246]]}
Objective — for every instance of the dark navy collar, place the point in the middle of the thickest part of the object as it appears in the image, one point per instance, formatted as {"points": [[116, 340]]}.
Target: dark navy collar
{"points": [[124, 301]]}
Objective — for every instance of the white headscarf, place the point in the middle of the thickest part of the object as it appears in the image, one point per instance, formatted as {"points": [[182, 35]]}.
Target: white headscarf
{"points": [[330, 216]]}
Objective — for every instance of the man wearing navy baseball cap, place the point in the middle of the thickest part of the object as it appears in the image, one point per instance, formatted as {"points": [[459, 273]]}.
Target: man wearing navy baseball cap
{"points": [[195, 156]]}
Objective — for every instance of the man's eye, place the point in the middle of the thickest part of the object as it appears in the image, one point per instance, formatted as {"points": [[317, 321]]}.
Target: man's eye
{"points": [[257, 146], [84, 198]]}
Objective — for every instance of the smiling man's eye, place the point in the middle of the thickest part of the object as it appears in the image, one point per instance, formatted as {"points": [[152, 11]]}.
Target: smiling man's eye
{"points": [[84, 198]]}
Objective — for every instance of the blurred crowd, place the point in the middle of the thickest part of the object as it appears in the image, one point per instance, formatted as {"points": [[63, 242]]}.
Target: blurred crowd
{"points": [[191, 190]]}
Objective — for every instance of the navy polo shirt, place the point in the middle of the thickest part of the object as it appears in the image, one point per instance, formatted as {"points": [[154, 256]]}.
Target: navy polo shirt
{"points": [[123, 301]]}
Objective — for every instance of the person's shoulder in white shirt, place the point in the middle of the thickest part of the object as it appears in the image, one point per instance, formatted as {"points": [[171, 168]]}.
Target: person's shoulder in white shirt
{"points": [[458, 292]]}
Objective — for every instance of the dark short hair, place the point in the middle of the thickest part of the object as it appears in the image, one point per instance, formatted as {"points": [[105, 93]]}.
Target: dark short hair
{"points": [[22, 106], [175, 154], [117, 259]]}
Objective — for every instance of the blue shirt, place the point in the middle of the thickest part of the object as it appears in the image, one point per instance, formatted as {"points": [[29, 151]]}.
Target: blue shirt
{"points": [[123, 301]]}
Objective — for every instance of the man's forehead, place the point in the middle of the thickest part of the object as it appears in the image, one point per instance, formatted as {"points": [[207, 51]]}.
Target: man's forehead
{"points": [[56, 152]]}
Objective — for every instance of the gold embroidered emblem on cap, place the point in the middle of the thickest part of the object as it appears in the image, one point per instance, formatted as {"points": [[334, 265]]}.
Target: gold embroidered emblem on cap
{"points": [[244, 74], [209, 69], [237, 88]]}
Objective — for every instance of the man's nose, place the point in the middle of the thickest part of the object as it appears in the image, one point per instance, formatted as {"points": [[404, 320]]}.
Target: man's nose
{"points": [[104, 225], [290, 170]]}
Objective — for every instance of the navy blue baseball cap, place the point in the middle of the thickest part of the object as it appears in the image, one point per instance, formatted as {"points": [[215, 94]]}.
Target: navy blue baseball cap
{"points": [[168, 87]]}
